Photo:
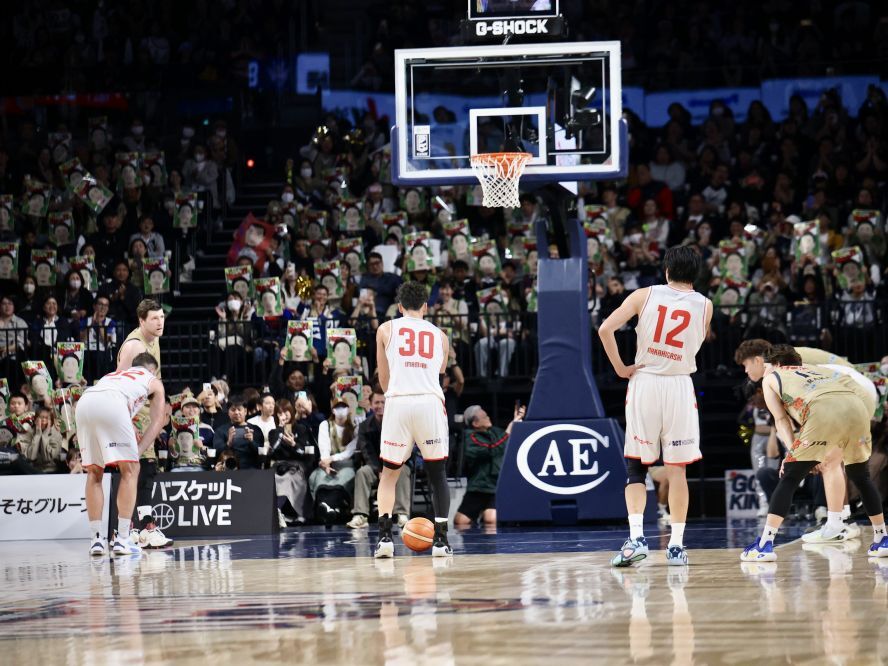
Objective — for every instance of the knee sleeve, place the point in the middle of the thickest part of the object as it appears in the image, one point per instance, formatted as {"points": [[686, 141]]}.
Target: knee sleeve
{"points": [[869, 494], [391, 465], [793, 473], [436, 470], [636, 470]]}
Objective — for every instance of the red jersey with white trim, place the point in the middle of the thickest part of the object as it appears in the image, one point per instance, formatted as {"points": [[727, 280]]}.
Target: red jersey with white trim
{"points": [[415, 355], [670, 331], [133, 383]]}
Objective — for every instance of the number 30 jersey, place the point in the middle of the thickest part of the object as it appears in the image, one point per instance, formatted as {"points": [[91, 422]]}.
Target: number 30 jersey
{"points": [[671, 328], [415, 355], [134, 384]]}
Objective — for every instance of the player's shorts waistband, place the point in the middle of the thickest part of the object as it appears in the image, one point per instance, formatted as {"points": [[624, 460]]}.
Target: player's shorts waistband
{"points": [[417, 398], [652, 377]]}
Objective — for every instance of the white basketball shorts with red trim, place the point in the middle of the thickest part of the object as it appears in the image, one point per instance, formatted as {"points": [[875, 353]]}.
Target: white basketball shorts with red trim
{"points": [[662, 418], [104, 429], [409, 419]]}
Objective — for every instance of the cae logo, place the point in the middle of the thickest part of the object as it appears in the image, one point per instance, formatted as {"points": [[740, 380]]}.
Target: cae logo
{"points": [[553, 465]]}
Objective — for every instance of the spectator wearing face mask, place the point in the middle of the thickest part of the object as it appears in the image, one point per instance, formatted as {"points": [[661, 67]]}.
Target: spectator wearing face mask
{"points": [[28, 305], [184, 147], [332, 484], [75, 300], [235, 335], [202, 175]]}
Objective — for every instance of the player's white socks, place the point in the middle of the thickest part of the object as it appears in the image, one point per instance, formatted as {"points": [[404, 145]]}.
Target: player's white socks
{"points": [[95, 528], [440, 520], [123, 528], [846, 512], [676, 538], [834, 524], [768, 534], [636, 525], [879, 532]]}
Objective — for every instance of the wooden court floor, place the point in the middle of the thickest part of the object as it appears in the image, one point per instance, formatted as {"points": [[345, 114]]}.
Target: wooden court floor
{"points": [[250, 602]]}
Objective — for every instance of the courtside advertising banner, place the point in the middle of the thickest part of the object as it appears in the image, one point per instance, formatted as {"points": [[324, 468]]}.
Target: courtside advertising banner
{"points": [[741, 500], [51, 506], [215, 503]]}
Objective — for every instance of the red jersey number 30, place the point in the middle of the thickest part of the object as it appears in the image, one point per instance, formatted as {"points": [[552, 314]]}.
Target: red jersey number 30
{"points": [[425, 346]]}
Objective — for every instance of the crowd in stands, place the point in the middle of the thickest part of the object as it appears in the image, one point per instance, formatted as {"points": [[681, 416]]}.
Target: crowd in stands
{"points": [[788, 216]]}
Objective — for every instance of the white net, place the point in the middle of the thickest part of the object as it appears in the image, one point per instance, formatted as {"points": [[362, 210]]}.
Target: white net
{"points": [[499, 174]]}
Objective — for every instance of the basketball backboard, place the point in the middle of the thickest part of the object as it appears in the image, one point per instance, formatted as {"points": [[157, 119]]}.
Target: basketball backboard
{"points": [[561, 102]]}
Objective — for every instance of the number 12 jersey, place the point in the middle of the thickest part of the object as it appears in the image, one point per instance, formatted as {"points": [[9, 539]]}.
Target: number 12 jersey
{"points": [[670, 331], [415, 355]]}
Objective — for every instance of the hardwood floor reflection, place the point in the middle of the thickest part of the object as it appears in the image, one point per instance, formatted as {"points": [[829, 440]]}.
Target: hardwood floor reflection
{"points": [[201, 605]]}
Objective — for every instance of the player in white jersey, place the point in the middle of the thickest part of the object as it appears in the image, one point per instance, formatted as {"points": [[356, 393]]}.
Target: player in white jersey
{"points": [[661, 409], [107, 437], [411, 354]]}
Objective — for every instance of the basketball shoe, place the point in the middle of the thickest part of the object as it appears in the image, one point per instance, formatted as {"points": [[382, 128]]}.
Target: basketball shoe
{"points": [[440, 546], [822, 535], [853, 529], [633, 550], [150, 535], [385, 547], [402, 519], [358, 521], [123, 546], [879, 549], [755, 553], [676, 556], [99, 547]]}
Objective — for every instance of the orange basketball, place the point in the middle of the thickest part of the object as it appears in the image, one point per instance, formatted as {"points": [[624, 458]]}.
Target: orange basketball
{"points": [[418, 534]]}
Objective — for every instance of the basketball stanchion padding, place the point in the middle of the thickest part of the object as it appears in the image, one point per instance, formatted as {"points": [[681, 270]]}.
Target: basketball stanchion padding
{"points": [[499, 174], [418, 534]]}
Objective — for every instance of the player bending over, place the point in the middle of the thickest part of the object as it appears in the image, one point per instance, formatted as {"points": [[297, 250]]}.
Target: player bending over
{"points": [[661, 409], [411, 355], [839, 526], [105, 431], [830, 414]]}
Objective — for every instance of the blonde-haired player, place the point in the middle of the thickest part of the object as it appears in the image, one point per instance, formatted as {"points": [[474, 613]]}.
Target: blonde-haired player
{"points": [[411, 354], [661, 408]]}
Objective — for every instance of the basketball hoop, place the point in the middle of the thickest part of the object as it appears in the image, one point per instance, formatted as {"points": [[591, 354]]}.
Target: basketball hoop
{"points": [[499, 174]]}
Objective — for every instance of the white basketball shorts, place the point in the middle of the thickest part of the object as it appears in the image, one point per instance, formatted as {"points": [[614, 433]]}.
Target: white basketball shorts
{"points": [[414, 419], [662, 418], [104, 430]]}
